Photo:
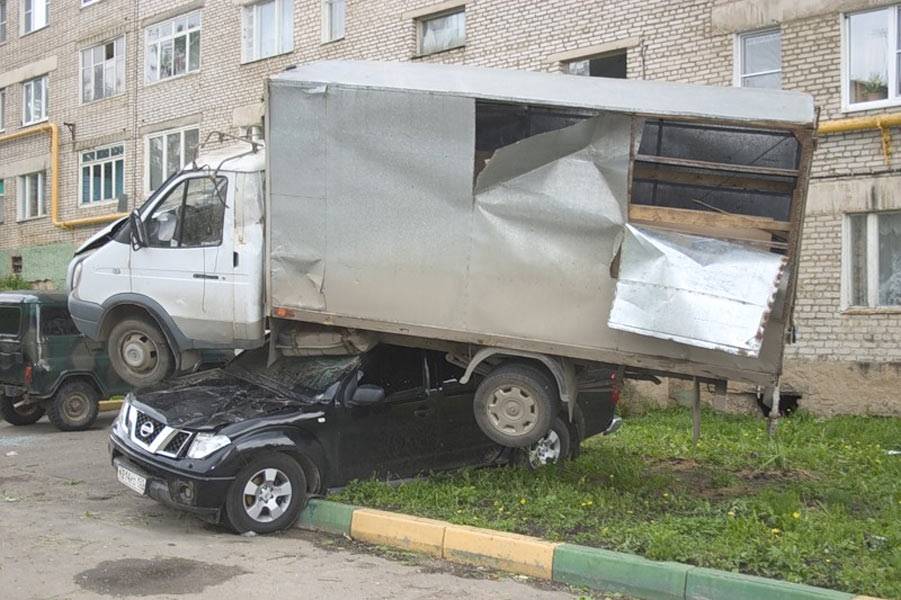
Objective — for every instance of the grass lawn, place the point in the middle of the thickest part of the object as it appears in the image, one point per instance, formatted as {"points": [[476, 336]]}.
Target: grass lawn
{"points": [[821, 506]]}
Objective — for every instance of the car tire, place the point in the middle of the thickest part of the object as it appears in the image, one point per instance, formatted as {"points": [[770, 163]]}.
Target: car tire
{"points": [[516, 404], [259, 500], [553, 448], [139, 352], [26, 415], [74, 406]]}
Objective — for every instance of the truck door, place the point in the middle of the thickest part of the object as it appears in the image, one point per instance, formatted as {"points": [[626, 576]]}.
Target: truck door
{"points": [[177, 268], [11, 359]]}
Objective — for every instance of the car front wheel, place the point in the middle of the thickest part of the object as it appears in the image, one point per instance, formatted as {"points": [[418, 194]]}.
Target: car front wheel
{"points": [[19, 415], [554, 447], [267, 495]]}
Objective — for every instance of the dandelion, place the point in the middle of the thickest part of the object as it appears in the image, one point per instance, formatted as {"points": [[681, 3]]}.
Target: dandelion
{"points": [[731, 513], [522, 500], [796, 515], [775, 531]]}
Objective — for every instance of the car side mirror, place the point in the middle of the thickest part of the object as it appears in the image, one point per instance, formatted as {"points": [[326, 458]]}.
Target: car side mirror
{"points": [[367, 395], [138, 231]]}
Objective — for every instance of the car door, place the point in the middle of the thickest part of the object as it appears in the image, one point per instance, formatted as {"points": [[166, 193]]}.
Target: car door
{"points": [[177, 268], [398, 436], [461, 441]]}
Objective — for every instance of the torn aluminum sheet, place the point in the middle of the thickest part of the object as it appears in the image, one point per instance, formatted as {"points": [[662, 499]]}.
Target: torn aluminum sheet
{"points": [[694, 290]]}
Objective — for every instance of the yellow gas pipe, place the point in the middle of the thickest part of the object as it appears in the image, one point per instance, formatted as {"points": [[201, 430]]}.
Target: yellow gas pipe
{"points": [[881, 122], [53, 129]]}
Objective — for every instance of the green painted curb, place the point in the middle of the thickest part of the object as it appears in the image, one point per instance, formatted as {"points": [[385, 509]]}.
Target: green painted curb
{"points": [[707, 584], [617, 572], [331, 517]]}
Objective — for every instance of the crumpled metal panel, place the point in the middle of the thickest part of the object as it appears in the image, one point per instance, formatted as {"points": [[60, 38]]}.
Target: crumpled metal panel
{"points": [[700, 291]]}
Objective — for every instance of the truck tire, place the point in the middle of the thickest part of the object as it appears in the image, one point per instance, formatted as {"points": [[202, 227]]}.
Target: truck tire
{"points": [[267, 495], [74, 406], [516, 404], [139, 352], [25, 415]]}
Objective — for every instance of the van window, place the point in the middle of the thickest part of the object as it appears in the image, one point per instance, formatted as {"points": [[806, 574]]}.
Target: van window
{"points": [[190, 216], [55, 320], [10, 317]]}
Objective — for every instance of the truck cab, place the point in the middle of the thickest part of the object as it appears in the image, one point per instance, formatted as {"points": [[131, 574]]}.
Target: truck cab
{"points": [[182, 273]]}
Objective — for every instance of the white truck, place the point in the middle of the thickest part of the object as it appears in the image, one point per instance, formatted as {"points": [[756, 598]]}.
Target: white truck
{"points": [[531, 225]]}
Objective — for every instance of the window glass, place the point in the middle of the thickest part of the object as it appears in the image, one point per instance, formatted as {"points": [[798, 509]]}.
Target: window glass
{"points": [[609, 65], [858, 239], [162, 228], [761, 59], [267, 29], [10, 317], [393, 368], [890, 259], [333, 12], [34, 100], [168, 153], [442, 32], [55, 320], [31, 196], [868, 55], [103, 70], [2, 21], [204, 212], [102, 175], [172, 47]]}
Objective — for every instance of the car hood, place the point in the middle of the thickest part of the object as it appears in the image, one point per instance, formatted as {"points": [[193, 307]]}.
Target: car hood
{"points": [[213, 399]]}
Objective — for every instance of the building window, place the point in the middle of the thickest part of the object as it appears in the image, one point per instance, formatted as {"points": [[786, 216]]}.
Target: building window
{"points": [[102, 174], [103, 70], [333, 15], [2, 21], [612, 64], [173, 47], [89, 2], [2, 199], [872, 259], [267, 29], [442, 31], [167, 152], [34, 15], [31, 195], [34, 100], [871, 58], [16, 265], [758, 59], [2, 109]]}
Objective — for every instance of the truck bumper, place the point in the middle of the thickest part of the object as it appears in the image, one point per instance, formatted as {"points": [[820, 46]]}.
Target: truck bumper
{"points": [[86, 316]]}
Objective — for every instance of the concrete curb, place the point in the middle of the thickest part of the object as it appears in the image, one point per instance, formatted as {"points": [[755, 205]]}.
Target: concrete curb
{"points": [[564, 563]]}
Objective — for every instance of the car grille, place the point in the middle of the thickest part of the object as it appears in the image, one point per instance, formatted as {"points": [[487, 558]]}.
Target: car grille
{"points": [[157, 437]]}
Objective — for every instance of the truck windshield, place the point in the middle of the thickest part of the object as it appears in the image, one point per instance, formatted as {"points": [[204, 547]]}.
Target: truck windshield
{"points": [[295, 375], [10, 320]]}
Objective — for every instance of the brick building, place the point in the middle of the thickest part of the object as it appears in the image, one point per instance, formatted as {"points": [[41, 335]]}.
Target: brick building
{"points": [[132, 86]]}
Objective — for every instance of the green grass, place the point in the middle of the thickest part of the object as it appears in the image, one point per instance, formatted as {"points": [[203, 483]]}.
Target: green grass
{"points": [[821, 505], [12, 282]]}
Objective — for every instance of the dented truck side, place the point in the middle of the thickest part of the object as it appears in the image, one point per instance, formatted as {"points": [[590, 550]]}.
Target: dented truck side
{"points": [[529, 225]]}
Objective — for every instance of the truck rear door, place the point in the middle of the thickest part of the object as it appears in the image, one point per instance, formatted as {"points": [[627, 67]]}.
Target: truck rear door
{"points": [[11, 360]]}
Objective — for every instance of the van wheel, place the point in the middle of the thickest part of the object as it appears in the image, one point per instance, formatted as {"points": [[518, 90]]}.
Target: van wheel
{"points": [[554, 447], [515, 404], [139, 352], [23, 415], [267, 495], [74, 406]]}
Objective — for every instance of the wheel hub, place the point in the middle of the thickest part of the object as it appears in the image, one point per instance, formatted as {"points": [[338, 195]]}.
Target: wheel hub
{"points": [[267, 495], [546, 450], [512, 409], [139, 352]]}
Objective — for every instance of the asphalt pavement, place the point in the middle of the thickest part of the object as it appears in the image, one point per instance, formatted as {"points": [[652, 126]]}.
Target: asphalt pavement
{"points": [[69, 530]]}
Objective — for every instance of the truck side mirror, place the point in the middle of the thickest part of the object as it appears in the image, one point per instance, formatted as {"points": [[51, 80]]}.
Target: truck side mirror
{"points": [[367, 395], [138, 231]]}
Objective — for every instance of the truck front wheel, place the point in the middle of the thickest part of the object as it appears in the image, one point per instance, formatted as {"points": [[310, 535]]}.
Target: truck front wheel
{"points": [[139, 352], [515, 404]]}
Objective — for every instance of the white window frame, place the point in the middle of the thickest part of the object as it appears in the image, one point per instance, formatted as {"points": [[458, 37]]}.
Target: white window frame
{"points": [[2, 109], [4, 19], [34, 3], [82, 163], [250, 18], [157, 43], [163, 133], [2, 200], [872, 245], [894, 95], [327, 36], [44, 94], [420, 27], [117, 61], [22, 188], [85, 3], [738, 56]]}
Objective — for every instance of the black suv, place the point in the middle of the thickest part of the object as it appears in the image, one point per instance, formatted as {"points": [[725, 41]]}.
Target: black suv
{"points": [[247, 444]]}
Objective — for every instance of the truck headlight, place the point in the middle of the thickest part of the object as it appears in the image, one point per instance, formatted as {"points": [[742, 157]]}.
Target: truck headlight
{"points": [[120, 425], [205, 444]]}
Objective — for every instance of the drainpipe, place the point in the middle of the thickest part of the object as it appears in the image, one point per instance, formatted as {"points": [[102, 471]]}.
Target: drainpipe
{"points": [[53, 130], [881, 122]]}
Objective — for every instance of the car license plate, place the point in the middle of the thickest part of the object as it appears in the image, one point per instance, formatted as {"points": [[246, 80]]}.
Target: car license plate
{"points": [[131, 479]]}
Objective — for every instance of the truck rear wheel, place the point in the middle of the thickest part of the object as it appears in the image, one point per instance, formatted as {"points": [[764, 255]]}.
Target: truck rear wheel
{"points": [[22, 415], [515, 404], [74, 406], [139, 352]]}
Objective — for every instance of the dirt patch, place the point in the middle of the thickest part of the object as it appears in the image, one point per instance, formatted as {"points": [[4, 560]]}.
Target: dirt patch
{"points": [[151, 577], [712, 484]]}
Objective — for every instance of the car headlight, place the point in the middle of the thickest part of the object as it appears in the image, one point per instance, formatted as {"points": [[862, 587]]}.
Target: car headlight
{"points": [[120, 425], [205, 444]]}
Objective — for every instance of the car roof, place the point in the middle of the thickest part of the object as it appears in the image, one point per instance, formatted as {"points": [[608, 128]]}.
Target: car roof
{"points": [[33, 297]]}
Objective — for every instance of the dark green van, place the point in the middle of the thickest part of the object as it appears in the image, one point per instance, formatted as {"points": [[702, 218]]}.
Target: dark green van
{"points": [[47, 366]]}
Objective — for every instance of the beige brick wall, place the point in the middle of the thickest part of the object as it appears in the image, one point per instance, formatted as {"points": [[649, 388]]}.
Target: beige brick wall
{"points": [[678, 40]]}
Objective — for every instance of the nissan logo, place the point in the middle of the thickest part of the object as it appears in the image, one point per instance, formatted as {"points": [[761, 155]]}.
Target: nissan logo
{"points": [[146, 429]]}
